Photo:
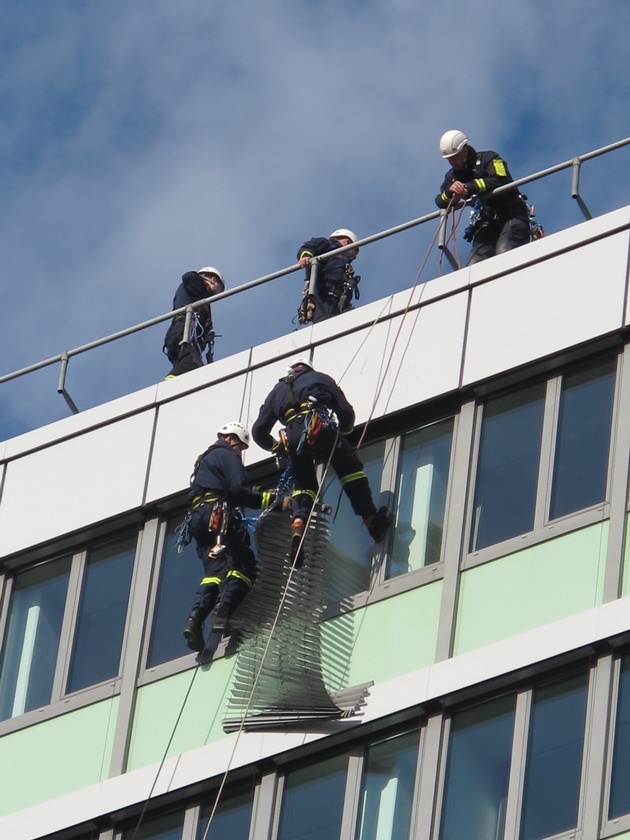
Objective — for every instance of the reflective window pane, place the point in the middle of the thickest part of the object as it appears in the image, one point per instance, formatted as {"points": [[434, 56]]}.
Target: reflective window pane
{"points": [[619, 788], [477, 772], [179, 578], [167, 827], [507, 473], [312, 801], [351, 546], [31, 643], [102, 614], [554, 759], [421, 498], [231, 819], [387, 789], [583, 439]]}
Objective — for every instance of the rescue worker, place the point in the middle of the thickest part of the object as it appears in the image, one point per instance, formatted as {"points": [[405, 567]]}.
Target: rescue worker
{"points": [[218, 487], [188, 355], [335, 283], [502, 221], [305, 394]]}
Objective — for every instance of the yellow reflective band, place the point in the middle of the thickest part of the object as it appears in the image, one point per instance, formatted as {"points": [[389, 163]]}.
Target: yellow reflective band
{"points": [[481, 184], [357, 476], [207, 581], [305, 254], [239, 576], [310, 493], [445, 197], [499, 167]]}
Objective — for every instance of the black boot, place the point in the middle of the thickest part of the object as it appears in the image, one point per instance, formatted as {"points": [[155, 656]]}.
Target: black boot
{"points": [[193, 632]]}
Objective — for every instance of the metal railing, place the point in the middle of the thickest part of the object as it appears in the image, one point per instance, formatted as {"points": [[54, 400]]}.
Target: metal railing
{"points": [[63, 358]]}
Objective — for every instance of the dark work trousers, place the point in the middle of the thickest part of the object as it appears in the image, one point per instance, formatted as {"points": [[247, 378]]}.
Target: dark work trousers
{"points": [[345, 462], [183, 357], [230, 574], [496, 239], [327, 307]]}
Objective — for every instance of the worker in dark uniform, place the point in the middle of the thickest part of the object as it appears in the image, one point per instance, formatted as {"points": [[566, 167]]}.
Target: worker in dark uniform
{"points": [[500, 222], [188, 355], [306, 397], [218, 487], [335, 284]]}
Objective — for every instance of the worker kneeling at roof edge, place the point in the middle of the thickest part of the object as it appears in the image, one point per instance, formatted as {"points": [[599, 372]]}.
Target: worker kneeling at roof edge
{"points": [[218, 487], [336, 284], [500, 222], [304, 401], [186, 352]]}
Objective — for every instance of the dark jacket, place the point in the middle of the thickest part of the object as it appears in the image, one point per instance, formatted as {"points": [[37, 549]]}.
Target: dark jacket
{"points": [[294, 389], [220, 470], [331, 273], [485, 171], [192, 289]]}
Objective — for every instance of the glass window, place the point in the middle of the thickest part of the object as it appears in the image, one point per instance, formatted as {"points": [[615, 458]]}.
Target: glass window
{"points": [[421, 498], [231, 819], [619, 787], [583, 439], [312, 801], [351, 546], [554, 759], [102, 614], [32, 639], [167, 827], [387, 789], [507, 473], [179, 578], [477, 772]]}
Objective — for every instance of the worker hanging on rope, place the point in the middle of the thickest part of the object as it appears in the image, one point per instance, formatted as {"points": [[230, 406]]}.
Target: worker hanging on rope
{"points": [[186, 352], [218, 487], [317, 416], [336, 284], [498, 223]]}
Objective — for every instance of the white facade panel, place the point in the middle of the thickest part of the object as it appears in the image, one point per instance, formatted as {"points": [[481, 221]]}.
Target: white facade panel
{"points": [[82, 480], [186, 427], [546, 307], [74, 424], [406, 359]]}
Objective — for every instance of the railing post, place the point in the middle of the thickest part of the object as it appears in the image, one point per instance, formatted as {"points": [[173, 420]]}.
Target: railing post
{"points": [[61, 385], [575, 188], [442, 241], [187, 320], [313, 276]]}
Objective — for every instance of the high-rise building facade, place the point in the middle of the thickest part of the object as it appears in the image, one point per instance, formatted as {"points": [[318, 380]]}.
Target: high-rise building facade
{"points": [[485, 643]]}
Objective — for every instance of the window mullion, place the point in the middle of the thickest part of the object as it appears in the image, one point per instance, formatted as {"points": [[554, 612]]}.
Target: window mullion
{"points": [[547, 447], [517, 767], [388, 486], [68, 626], [265, 807], [597, 732], [352, 797]]}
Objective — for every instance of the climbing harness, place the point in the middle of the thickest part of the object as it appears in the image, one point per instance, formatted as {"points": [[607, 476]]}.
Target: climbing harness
{"points": [[536, 230], [183, 537]]}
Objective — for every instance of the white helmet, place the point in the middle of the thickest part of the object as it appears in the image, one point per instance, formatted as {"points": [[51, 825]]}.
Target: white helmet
{"points": [[208, 269], [452, 142], [343, 232], [301, 361], [236, 429]]}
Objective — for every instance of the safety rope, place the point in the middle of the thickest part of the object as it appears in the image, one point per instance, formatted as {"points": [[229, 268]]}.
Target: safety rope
{"points": [[274, 624], [285, 477]]}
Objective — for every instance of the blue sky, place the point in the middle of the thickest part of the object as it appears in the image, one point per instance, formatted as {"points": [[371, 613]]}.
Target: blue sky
{"points": [[139, 140]]}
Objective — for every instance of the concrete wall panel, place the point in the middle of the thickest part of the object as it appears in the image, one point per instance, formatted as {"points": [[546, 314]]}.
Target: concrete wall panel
{"points": [[186, 427], [82, 480], [546, 307]]}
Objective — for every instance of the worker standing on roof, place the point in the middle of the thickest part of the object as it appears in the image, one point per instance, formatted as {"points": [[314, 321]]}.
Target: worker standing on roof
{"points": [[303, 401], [336, 284], [500, 222], [218, 487], [186, 353]]}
